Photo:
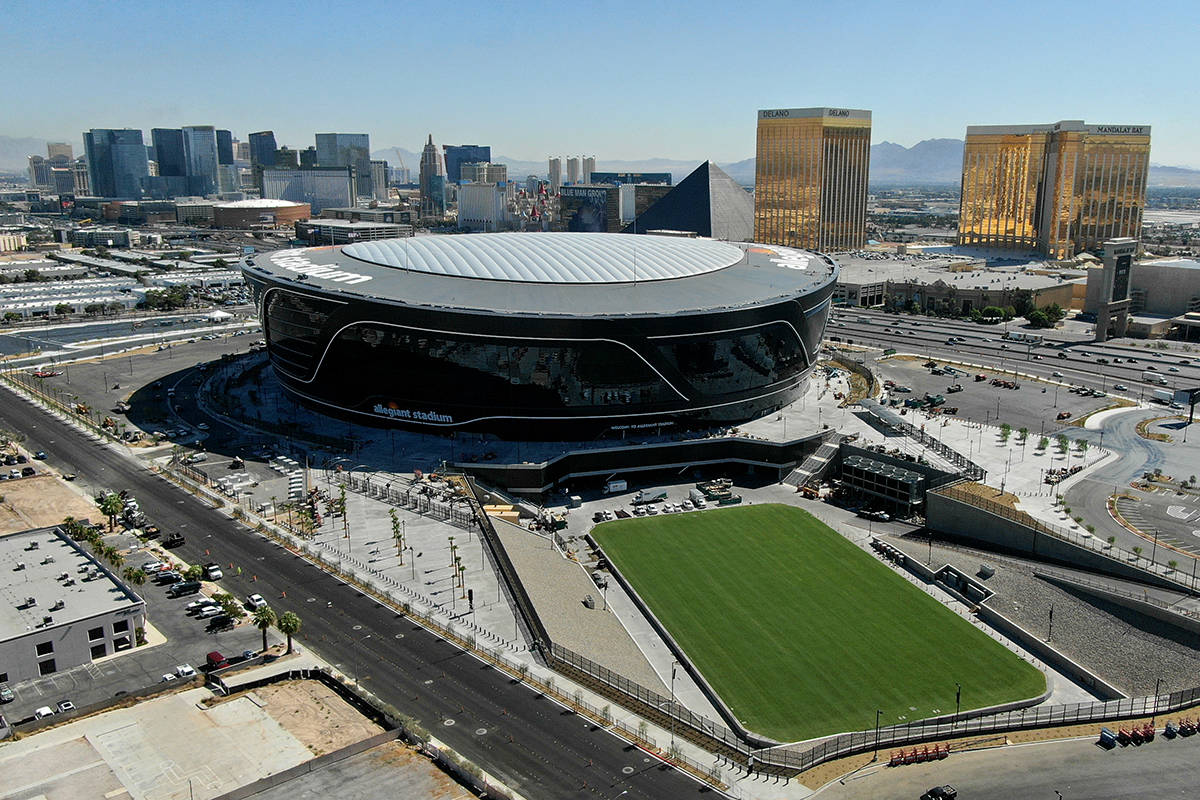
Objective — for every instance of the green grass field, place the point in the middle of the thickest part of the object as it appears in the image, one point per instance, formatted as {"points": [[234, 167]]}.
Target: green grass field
{"points": [[801, 632]]}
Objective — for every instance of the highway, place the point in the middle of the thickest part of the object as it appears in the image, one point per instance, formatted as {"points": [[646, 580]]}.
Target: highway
{"points": [[984, 345], [530, 743]]}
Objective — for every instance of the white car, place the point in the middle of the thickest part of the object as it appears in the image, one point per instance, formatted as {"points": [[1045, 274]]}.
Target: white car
{"points": [[203, 426], [208, 611], [196, 605], [255, 601], [185, 671], [43, 712], [1056, 374], [167, 677], [1120, 387]]}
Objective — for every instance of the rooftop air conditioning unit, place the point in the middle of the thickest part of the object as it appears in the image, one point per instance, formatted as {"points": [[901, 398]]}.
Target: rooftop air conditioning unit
{"points": [[30, 602], [58, 604], [47, 620]]}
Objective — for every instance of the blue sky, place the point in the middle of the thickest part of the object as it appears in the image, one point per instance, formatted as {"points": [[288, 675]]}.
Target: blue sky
{"points": [[620, 79]]}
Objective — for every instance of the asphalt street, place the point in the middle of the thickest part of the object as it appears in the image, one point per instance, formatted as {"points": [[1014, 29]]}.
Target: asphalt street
{"points": [[531, 743]]}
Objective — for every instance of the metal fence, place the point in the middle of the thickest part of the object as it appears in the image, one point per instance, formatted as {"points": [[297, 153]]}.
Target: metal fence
{"points": [[1022, 719], [1079, 539], [787, 759], [886, 416]]}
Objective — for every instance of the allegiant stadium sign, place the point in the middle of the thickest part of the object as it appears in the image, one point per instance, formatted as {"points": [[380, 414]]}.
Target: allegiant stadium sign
{"points": [[298, 262]]}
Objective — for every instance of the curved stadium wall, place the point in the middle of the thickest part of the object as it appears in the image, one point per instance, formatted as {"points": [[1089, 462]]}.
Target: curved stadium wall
{"points": [[391, 361]]}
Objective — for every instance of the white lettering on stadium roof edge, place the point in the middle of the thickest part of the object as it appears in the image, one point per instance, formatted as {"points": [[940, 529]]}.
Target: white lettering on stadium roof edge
{"points": [[297, 262]]}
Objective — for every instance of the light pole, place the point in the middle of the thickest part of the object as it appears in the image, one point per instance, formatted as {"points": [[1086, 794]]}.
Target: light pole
{"points": [[674, 664], [875, 757], [356, 654], [957, 702]]}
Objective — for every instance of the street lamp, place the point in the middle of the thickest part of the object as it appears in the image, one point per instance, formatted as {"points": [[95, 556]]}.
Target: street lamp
{"points": [[674, 664], [875, 757], [356, 653], [957, 701]]}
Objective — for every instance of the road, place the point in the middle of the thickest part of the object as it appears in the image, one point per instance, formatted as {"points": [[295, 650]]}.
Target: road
{"points": [[522, 738], [1139, 368], [1073, 770]]}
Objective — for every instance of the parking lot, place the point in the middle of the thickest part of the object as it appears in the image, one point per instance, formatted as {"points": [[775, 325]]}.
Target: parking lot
{"points": [[1035, 405], [175, 639]]}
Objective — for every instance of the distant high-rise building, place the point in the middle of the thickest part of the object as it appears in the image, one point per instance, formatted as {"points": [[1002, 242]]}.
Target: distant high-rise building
{"points": [[287, 158], [555, 175], [320, 187], [458, 154], [152, 167], [200, 158], [573, 174], [589, 166], [348, 150], [1058, 189], [308, 158], [433, 181], [116, 161], [168, 151], [810, 181], [83, 181], [483, 172], [39, 173], [631, 177], [224, 146], [379, 179], [62, 180], [532, 184], [241, 151], [262, 149], [229, 178], [59, 149]]}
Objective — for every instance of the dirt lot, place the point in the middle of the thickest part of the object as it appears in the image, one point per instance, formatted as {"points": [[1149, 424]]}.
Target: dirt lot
{"points": [[40, 501], [315, 715]]}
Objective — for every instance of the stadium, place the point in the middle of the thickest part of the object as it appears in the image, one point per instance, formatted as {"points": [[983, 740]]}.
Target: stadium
{"points": [[543, 335]]}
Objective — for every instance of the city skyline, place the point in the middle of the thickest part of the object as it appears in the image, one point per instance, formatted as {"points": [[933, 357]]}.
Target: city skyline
{"points": [[695, 105]]}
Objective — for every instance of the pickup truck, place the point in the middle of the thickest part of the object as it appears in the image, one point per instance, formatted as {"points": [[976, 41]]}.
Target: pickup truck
{"points": [[173, 539]]}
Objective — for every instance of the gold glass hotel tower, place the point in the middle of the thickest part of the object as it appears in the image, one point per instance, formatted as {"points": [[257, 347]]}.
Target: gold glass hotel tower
{"points": [[810, 179], [1058, 189]]}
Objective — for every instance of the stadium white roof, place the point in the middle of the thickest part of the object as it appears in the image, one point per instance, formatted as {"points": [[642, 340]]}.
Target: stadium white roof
{"points": [[258, 203], [551, 258]]}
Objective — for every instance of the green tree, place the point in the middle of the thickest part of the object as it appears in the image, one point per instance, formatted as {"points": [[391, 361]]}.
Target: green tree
{"points": [[397, 534], [62, 309], [1081, 445], [11, 316], [193, 573], [289, 626], [1022, 435], [229, 604], [264, 618], [1038, 318], [111, 505], [1043, 443], [134, 575]]}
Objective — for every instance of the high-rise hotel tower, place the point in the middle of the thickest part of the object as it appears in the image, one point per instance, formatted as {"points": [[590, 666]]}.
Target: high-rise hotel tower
{"points": [[1057, 189], [810, 179]]}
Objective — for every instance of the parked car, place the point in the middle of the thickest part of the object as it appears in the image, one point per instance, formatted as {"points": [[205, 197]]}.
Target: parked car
{"points": [[946, 792], [199, 603], [65, 706], [6, 694], [212, 572], [185, 671], [255, 601], [43, 712], [27, 472], [207, 612], [215, 660], [220, 622], [173, 540], [40, 455]]}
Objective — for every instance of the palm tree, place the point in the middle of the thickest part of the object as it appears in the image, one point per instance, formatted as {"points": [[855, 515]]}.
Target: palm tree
{"points": [[134, 575], [264, 617], [289, 625], [111, 505], [115, 558]]}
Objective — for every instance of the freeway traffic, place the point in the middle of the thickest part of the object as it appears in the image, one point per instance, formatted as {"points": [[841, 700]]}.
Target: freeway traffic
{"points": [[520, 737], [1077, 359]]}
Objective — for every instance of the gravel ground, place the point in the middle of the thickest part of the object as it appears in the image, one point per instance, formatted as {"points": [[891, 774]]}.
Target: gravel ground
{"points": [[557, 587], [1127, 649]]}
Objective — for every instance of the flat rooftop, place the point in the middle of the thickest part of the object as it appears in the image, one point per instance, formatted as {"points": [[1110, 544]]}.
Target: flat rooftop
{"points": [[55, 568], [860, 269]]}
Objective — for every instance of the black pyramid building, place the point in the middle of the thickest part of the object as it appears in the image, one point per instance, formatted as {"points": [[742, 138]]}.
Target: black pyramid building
{"points": [[707, 202]]}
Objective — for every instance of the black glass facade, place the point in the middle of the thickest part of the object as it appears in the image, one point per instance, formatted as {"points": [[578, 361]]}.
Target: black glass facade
{"points": [[538, 377]]}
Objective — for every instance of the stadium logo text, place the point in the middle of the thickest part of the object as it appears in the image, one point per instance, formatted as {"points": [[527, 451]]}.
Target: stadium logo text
{"points": [[301, 264], [406, 413]]}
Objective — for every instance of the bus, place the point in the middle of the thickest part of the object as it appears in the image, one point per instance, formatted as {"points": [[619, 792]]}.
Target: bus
{"points": [[1021, 336]]}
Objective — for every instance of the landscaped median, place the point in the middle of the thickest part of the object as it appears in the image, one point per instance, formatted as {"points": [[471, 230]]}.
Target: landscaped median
{"points": [[799, 631]]}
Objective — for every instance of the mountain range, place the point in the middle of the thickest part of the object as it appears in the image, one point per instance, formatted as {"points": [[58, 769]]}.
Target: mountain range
{"points": [[929, 162], [932, 162]]}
